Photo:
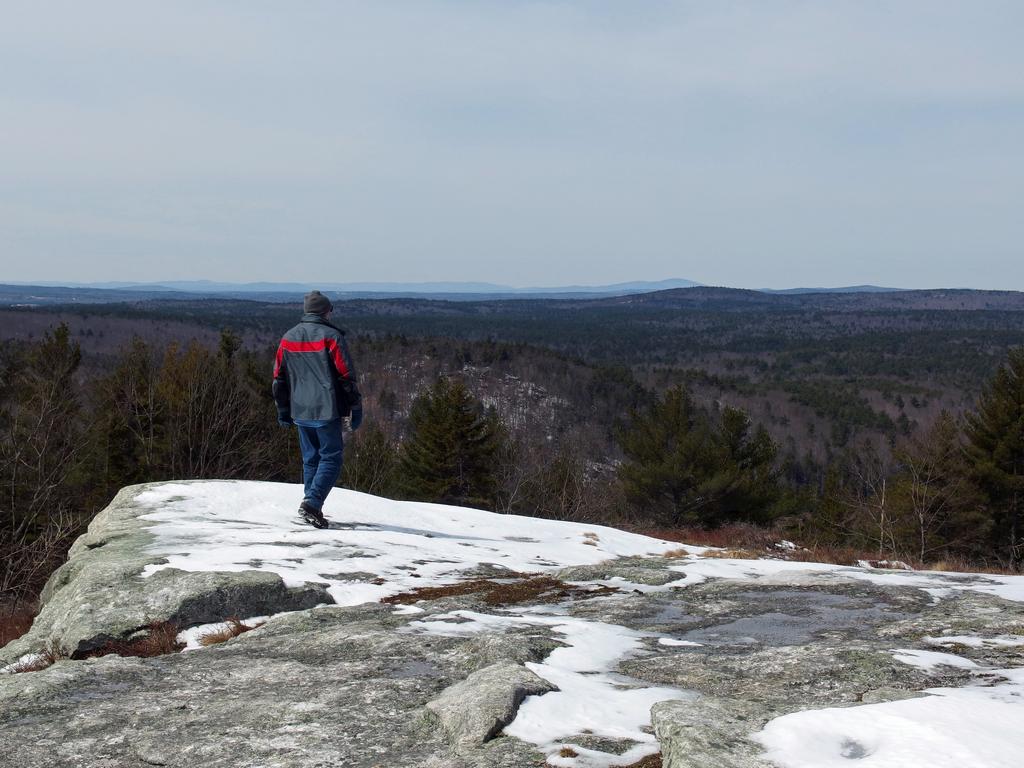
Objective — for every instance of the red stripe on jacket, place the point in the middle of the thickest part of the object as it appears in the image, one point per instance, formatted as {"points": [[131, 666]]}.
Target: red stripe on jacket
{"points": [[331, 345], [303, 346], [278, 360], [339, 359]]}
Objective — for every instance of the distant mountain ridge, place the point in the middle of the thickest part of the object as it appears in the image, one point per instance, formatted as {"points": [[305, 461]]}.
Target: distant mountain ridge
{"points": [[735, 299], [440, 288], [681, 294], [421, 288], [845, 289]]}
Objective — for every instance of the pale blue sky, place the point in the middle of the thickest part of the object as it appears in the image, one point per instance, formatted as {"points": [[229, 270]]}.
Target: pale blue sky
{"points": [[753, 144]]}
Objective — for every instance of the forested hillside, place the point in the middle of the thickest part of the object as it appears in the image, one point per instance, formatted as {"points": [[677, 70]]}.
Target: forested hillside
{"points": [[872, 423], [818, 370]]}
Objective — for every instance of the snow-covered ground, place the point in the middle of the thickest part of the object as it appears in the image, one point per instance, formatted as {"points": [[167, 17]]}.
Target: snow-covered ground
{"points": [[376, 548], [979, 725], [936, 583], [236, 526]]}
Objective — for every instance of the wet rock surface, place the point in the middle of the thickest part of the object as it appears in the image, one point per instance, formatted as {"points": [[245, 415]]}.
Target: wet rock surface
{"points": [[375, 686], [765, 652]]}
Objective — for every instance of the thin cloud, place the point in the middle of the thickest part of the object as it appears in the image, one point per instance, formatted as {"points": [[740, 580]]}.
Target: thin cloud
{"points": [[749, 143]]}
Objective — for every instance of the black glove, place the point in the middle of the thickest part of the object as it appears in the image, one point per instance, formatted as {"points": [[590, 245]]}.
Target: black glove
{"points": [[284, 418], [356, 418]]}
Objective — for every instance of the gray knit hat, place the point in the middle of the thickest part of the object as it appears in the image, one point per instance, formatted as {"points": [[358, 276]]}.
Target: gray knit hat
{"points": [[316, 303]]}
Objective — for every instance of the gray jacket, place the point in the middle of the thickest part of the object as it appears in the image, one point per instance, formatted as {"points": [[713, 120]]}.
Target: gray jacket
{"points": [[314, 377]]}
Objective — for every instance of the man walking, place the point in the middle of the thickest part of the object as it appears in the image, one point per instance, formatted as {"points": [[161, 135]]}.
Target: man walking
{"points": [[314, 389]]}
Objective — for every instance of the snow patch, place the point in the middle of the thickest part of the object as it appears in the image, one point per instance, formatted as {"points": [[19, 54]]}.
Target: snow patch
{"points": [[978, 725], [28, 660], [938, 584], [590, 697], [929, 660], [671, 641], [192, 636], [974, 641]]}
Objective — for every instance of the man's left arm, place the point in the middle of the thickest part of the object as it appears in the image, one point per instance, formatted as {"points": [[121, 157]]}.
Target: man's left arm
{"points": [[356, 414], [348, 386]]}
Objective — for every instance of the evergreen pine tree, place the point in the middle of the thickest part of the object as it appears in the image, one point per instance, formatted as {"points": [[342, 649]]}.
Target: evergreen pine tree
{"points": [[995, 432], [128, 429], [822, 519], [230, 343], [746, 480], [662, 445], [451, 455], [683, 468]]}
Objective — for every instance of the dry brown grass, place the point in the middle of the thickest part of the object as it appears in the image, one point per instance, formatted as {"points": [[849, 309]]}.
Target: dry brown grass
{"points": [[52, 653], [651, 761], [732, 554], [676, 554], [829, 554], [160, 639], [963, 565], [736, 536], [761, 542], [568, 752], [746, 542], [233, 627], [15, 621], [524, 589]]}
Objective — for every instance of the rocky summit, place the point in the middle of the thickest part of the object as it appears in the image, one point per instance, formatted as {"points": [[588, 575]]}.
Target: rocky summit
{"points": [[201, 624]]}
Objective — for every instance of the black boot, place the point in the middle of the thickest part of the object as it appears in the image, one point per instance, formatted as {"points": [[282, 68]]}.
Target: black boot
{"points": [[313, 516]]}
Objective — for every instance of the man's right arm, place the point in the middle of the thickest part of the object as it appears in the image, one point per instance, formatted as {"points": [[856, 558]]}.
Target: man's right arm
{"points": [[281, 389]]}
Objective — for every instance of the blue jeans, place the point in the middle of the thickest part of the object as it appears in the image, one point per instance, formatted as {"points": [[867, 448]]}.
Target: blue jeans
{"points": [[322, 449]]}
